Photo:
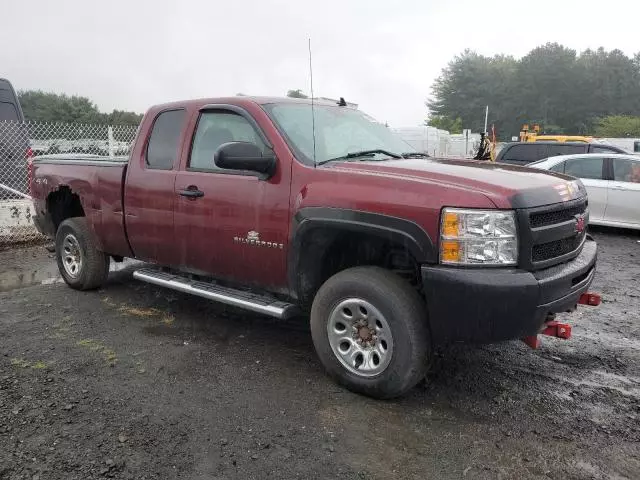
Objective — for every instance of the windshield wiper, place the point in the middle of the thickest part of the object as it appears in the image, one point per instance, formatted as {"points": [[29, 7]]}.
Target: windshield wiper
{"points": [[360, 153], [415, 155]]}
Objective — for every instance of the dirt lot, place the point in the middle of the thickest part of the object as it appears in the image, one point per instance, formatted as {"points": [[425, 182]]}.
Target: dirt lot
{"points": [[138, 382]]}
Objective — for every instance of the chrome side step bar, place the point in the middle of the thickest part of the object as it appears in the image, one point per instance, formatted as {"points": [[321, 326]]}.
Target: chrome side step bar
{"points": [[237, 298]]}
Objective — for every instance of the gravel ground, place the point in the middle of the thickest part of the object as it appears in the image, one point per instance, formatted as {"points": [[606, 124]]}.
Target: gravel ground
{"points": [[134, 381]]}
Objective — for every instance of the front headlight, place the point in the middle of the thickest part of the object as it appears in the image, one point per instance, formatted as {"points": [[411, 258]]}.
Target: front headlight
{"points": [[478, 237]]}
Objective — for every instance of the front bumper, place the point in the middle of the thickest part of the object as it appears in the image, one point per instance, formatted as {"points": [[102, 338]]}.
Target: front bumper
{"points": [[491, 305]]}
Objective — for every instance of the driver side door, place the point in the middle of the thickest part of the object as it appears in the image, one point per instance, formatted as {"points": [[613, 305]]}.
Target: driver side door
{"points": [[230, 224]]}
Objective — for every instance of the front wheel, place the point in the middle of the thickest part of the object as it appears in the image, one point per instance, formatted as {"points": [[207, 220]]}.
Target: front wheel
{"points": [[370, 330], [80, 263]]}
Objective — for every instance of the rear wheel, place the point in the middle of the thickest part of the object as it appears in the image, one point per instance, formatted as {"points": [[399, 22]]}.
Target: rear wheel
{"points": [[80, 263], [370, 330]]}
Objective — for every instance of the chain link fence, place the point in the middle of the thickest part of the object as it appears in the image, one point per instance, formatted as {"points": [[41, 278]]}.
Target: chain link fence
{"points": [[21, 141]]}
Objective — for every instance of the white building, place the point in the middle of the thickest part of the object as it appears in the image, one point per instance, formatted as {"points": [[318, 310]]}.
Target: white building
{"points": [[439, 143], [424, 139]]}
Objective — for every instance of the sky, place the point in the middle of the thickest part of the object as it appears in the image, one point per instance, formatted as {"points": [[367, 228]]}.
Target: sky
{"points": [[382, 55]]}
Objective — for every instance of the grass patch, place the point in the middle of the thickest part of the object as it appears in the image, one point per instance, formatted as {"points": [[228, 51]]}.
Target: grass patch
{"points": [[140, 312], [108, 354], [22, 363]]}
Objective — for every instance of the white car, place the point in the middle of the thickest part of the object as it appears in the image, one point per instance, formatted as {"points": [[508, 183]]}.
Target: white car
{"points": [[612, 182]]}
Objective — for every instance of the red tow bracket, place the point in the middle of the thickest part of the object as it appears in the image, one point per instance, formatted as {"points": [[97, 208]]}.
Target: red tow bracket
{"points": [[552, 329], [591, 299], [562, 330]]}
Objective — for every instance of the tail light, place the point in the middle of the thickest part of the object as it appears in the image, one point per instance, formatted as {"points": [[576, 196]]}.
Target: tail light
{"points": [[29, 155]]}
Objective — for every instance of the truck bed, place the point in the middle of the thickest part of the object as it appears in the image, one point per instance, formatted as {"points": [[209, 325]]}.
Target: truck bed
{"points": [[98, 181]]}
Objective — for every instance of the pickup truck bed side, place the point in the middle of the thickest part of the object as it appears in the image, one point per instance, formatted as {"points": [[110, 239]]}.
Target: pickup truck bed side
{"points": [[83, 186]]}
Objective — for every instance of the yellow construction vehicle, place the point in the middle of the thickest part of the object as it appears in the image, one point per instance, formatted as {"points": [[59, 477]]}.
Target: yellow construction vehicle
{"points": [[533, 135]]}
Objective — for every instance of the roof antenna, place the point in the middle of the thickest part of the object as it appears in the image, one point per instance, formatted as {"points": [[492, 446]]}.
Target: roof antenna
{"points": [[341, 102], [313, 112]]}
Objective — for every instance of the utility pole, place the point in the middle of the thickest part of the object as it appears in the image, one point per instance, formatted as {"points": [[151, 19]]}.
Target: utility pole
{"points": [[486, 118]]}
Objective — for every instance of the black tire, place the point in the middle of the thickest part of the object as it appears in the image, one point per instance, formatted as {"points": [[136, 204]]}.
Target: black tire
{"points": [[404, 312], [94, 266]]}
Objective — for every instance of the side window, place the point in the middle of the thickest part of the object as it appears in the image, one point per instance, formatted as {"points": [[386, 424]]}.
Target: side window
{"points": [[8, 112], [626, 170], [215, 128], [564, 149], [525, 153], [558, 168], [163, 143], [585, 167], [602, 149]]}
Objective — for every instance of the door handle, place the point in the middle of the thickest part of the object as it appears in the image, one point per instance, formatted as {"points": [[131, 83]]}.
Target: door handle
{"points": [[617, 187], [191, 192]]}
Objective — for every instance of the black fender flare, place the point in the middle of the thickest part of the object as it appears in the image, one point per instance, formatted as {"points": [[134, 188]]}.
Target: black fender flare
{"points": [[399, 230]]}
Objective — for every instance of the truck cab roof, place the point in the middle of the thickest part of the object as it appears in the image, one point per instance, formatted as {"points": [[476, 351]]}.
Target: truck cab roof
{"points": [[240, 100]]}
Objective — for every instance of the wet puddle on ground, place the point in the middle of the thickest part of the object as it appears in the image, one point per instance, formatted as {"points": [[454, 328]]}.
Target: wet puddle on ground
{"points": [[45, 274]]}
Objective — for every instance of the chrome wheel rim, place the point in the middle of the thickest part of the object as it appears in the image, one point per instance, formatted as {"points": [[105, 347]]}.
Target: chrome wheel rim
{"points": [[71, 256], [360, 337]]}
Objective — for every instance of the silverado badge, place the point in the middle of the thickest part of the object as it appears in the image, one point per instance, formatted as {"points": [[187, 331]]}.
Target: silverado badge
{"points": [[253, 238]]}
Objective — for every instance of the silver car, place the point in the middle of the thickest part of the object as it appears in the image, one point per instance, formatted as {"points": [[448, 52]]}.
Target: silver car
{"points": [[612, 182]]}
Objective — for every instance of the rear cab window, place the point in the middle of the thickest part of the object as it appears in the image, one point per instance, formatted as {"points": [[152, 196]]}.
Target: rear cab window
{"points": [[164, 141], [9, 107], [8, 112]]}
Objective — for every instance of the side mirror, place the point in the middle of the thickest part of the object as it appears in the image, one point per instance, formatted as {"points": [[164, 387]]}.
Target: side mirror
{"points": [[244, 156]]}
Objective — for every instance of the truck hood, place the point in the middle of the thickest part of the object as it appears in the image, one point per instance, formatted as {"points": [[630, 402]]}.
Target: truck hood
{"points": [[508, 186]]}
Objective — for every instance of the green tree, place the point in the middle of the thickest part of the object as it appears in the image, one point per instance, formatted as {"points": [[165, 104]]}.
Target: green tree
{"points": [[120, 117], [445, 123], [552, 86], [296, 94], [39, 106], [471, 82], [617, 126], [51, 107]]}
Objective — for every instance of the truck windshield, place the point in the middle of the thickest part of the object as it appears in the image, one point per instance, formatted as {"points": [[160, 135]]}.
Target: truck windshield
{"points": [[340, 132]]}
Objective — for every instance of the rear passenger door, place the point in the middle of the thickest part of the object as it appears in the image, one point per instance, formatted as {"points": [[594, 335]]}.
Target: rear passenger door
{"points": [[623, 204], [591, 170], [149, 187]]}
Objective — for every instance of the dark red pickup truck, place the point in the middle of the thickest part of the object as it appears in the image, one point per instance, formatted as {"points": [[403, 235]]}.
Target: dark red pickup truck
{"points": [[264, 204]]}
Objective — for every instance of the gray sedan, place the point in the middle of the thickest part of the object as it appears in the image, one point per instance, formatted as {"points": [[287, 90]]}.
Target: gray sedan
{"points": [[612, 182]]}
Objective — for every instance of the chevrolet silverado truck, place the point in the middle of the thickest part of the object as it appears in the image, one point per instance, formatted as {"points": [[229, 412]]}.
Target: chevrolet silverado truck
{"points": [[291, 209]]}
